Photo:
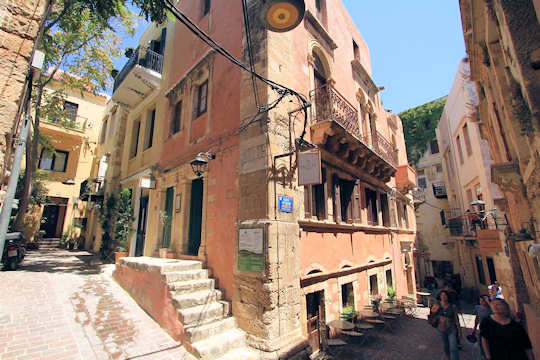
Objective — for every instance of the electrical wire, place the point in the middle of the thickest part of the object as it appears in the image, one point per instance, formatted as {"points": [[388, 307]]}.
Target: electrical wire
{"points": [[282, 90], [247, 28]]}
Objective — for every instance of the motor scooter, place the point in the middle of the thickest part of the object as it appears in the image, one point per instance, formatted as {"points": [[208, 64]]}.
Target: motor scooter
{"points": [[14, 250]]}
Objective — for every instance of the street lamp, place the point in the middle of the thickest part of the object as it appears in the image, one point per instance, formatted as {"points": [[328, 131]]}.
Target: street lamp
{"points": [[282, 15], [199, 164]]}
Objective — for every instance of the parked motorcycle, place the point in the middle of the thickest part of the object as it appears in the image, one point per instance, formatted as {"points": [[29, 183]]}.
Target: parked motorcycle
{"points": [[14, 250]]}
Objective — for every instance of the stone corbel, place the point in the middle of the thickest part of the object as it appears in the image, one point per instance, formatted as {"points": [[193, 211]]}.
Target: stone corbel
{"points": [[508, 177]]}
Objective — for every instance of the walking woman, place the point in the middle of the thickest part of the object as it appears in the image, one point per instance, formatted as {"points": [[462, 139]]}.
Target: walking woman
{"points": [[502, 337], [482, 311], [444, 317]]}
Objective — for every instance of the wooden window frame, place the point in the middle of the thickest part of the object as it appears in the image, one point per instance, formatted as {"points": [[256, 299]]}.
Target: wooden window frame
{"points": [[176, 124], [53, 160], [200, 111]]}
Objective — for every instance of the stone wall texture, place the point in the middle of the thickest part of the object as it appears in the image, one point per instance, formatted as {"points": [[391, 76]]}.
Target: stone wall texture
{"points": [[19, 22]]}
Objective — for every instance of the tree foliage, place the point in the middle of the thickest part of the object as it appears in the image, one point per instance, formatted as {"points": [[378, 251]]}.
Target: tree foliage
{"points": [[124, 220], [419, 126]]}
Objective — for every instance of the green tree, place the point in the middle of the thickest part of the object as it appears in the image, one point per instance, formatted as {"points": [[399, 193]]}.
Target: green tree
{"points": [[419, 126], [107, 216], [124, 220], [79, 44]]}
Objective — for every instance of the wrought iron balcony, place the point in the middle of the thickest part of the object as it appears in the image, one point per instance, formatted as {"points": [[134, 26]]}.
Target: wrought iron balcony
{"points": [[439, 190], [335, 126], [140, 75], [70, 122], [141, 56]]}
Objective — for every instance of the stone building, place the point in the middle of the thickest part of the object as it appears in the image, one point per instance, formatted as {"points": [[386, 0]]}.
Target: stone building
{"points": [[435, 251], [19, 23], [215, 181], [73, 137], [503, 43], [473, 213]]}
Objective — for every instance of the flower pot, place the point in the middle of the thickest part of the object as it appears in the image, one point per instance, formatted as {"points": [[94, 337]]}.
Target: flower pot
{"points": [[163, 253], [119, 255], [170, 255]]}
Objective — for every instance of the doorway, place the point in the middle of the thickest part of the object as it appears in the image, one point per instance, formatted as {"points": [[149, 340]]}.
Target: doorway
{"points": [[195, 217], [141, 226], [315, 314], [50, 215]]}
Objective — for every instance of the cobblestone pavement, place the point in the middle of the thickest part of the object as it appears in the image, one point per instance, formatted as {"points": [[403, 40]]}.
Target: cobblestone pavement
{"points": [[411, 339], [63, 305]]}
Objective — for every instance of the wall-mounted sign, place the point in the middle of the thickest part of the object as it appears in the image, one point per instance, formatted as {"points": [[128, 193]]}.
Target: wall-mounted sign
{"points": [[285, 204], [309, 168], [147, 183], [250, 249]]}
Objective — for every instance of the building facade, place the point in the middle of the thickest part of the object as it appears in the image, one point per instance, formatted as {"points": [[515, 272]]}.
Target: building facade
{"points": [[472, 197], [67, 162], [288, 258], [435, 252], [503, 43]]}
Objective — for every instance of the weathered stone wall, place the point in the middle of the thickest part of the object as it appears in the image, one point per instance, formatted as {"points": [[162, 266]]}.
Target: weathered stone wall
{"points": [[19, 22]]}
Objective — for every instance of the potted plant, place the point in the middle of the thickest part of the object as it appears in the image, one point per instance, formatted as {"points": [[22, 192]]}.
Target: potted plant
{"points": [[124, 220], [165, 220], [376, 302]]}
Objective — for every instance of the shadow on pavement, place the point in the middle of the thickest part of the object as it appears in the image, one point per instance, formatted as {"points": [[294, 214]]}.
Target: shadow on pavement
{"points": [[61, 261]]}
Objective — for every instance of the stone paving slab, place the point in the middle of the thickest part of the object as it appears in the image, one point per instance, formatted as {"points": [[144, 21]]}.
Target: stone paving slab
{"points": [[63, 305]]}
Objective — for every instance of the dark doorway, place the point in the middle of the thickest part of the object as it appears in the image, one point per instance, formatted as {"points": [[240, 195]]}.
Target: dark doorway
{"points": [[169, 196], [141, 226], [314, 312], [50, 213], [491, 270], [195, 217]]}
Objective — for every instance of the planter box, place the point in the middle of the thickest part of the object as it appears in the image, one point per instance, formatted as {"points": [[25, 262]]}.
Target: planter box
{"points": [[119, 255]]}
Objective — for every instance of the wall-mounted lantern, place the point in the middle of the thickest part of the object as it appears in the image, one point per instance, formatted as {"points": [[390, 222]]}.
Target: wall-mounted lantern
{"points": [[282, 15], [200, 163]]}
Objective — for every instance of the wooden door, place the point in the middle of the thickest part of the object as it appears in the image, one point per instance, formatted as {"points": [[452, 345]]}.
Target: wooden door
{"points": [[313, 307], [195, 216], [141, 226]]}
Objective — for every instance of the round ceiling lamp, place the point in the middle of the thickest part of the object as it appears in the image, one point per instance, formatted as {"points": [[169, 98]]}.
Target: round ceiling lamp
{"points": [[282, 15]]}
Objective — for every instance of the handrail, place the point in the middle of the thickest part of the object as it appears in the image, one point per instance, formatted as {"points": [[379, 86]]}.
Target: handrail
{"points": [[141, 56]]}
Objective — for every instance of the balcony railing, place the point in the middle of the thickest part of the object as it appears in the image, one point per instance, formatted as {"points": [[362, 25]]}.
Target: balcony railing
{"points": [[141, 56], [439, 190], [385, 149], [69, 122], [330, 105]]}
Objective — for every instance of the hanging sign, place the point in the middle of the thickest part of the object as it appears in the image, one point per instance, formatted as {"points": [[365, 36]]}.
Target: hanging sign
{"points": [[309, 167]]}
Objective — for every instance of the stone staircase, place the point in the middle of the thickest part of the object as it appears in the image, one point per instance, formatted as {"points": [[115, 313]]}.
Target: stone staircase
{"points": [[49, 243], [210, 332]]}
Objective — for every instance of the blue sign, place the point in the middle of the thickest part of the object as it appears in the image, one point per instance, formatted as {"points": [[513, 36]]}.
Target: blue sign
{"points": [[285, 203]]}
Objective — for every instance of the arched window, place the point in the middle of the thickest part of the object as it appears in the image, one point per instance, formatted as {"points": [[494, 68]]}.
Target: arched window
{"points": [[319, 71]]}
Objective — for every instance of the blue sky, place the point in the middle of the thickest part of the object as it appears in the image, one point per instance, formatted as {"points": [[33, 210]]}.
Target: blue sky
{"points": [[415, 47]]}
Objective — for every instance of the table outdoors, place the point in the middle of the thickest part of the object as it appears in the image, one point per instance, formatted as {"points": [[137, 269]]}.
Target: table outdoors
{"points": [[425, 294], [341, 324]]}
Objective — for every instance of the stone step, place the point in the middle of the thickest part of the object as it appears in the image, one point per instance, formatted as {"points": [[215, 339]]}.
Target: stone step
{"points": [[147, 263], [201, 332], [48, 246], [196, 298], [243, 353], [191, 285], [176, 276], [203, 314], [218, 345]]}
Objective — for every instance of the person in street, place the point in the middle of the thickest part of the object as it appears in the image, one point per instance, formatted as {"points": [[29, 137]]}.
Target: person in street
{"points": [[452, 295], [502, 337], [443, 316], [482, 311], [495, 292]]}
